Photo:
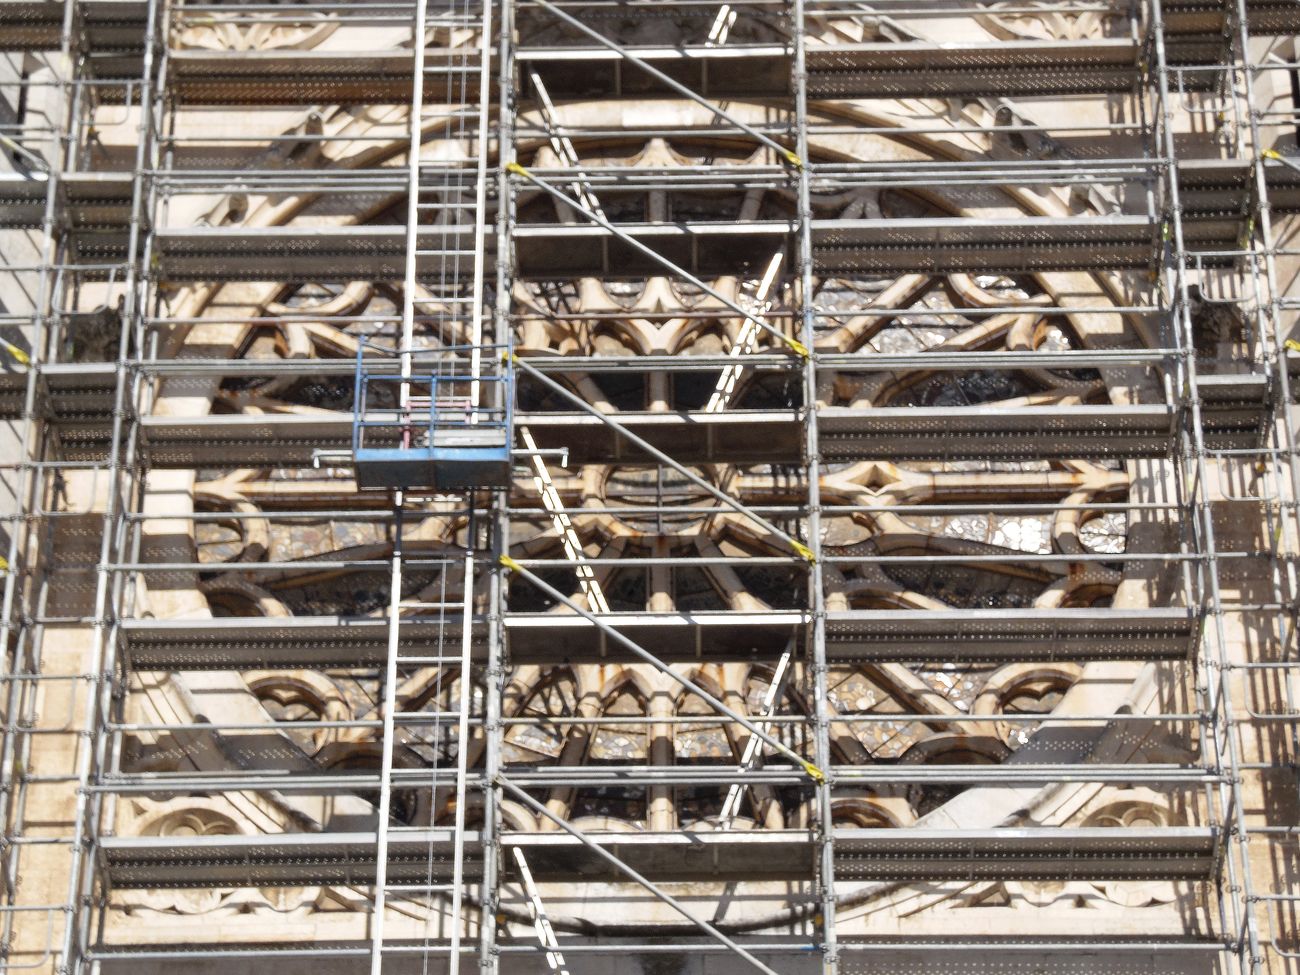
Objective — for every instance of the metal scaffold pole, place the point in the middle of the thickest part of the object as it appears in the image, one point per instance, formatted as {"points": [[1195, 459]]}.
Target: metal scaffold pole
{"points": [[494, 671], [22, 598], [827, 905]]}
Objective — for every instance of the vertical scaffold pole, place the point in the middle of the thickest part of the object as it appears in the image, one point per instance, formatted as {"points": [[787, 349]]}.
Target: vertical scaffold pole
{"points": [[19, 633], [495, 674], [816, 594]]}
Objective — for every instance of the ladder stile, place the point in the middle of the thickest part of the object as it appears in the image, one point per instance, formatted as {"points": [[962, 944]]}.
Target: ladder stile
{"points": [[448, 433]]}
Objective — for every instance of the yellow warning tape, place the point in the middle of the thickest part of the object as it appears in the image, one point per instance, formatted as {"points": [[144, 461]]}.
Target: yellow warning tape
{"points": [[18, 354], [797, 346], [803, 550], [814, 773]]}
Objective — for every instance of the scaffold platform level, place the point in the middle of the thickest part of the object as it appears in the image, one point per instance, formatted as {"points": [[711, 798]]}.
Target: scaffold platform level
{"points": [[767, 436], [289, 77], [1010, 636], [1234, 408], [852, 636], [244, 643], [1042, 853], [1209, 17], [914, 68], [952, 244], [734, 437], [104, 25], [301, 254], [728, 71], [76, 396], [896, 246], [975, 432], [1170, 853], [859, 636], [551, 251], [86, 201], [556, 251], [1226, 187], [549, 638]]}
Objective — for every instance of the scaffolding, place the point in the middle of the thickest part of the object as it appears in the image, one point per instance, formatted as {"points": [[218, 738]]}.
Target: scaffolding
{"points": [[1157, 447]]}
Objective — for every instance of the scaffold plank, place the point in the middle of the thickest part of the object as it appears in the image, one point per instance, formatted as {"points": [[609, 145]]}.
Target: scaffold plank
{"points": [[557, 251], [990, 432], [87, 201], [245, 643], [70, 394], [918, 68], [301, 254], [852, 636], [1235, 409], [985, 245], [549, 638], [1209, 18], [107, 25], [729, 71], [733, 437], [293, 77], [1009, 636], [1225, 187], [754, 437], [1044, 853]]}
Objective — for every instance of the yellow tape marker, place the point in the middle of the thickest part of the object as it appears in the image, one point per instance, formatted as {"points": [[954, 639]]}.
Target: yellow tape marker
{"points": [[803, 550], [516, 169], [1292, 344], [798, 347], [510, 563], [814, 773], [18, 354], [793, 160]]}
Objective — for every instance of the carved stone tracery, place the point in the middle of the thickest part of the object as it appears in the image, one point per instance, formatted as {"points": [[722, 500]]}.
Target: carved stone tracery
{"points": [[591, 316]]}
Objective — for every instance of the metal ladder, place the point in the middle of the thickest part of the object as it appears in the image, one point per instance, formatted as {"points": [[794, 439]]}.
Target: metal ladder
{"points": [[449, 85]]}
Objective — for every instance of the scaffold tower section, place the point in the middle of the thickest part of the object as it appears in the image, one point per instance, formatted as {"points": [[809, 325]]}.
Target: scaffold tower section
{"points": [[664, 486]]}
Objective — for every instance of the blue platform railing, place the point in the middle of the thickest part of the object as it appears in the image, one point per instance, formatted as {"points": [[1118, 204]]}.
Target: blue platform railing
{"points": [[453, 433]]}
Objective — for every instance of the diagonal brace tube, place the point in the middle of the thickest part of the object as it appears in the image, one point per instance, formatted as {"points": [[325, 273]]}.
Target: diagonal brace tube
{"points": [[622, 867], [655, 256], [663, 458], [675, 85], [812, 770]]}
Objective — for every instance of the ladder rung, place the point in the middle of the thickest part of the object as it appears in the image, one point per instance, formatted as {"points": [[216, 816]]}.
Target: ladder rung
{"points": [[417, 888], [424, 661], [425, 717]]}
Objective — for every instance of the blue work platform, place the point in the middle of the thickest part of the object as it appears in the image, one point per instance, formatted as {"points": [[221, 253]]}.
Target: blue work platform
{"points": [[452, 433]]}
